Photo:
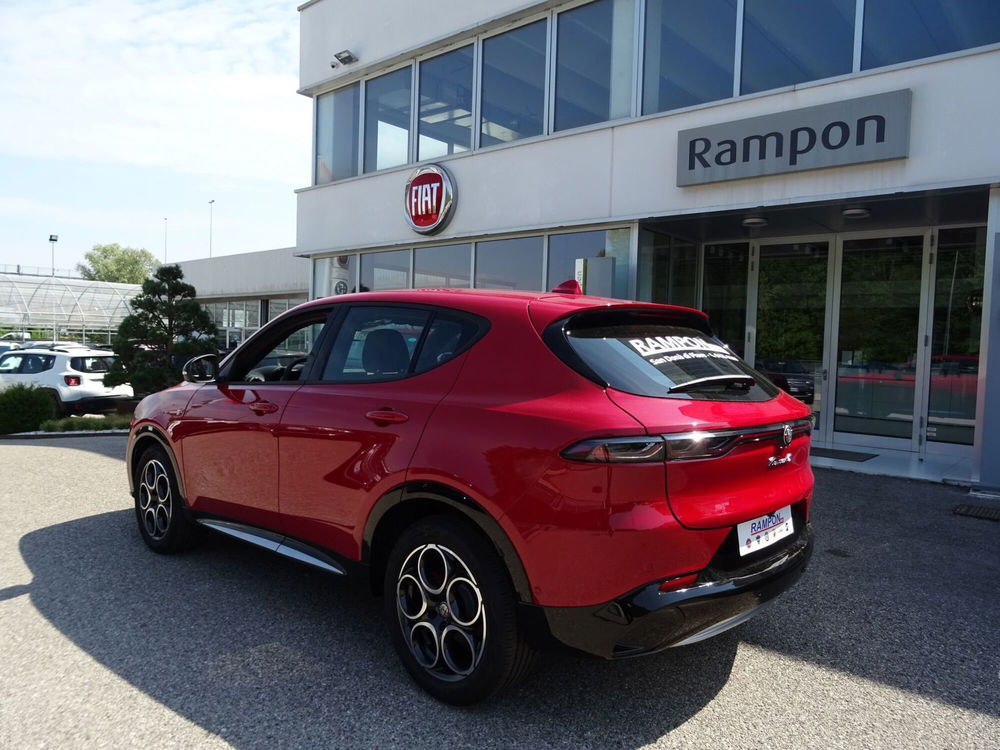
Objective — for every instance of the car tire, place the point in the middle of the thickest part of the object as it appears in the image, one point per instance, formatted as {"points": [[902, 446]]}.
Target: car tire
{"points": [[159, 509], [452, 612]]}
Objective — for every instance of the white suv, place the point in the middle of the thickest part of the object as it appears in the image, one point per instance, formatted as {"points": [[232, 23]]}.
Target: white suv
{"points": [[73, 375]]}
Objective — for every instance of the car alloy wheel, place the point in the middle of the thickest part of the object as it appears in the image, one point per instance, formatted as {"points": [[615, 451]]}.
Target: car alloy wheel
{"points": [[155, 499], [441, 613]]}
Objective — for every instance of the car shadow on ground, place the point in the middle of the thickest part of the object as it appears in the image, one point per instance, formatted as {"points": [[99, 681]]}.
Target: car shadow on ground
{"points": [[264, 652]]}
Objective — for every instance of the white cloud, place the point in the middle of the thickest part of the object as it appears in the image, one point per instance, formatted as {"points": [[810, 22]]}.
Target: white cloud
{"points": [[202, 88]]}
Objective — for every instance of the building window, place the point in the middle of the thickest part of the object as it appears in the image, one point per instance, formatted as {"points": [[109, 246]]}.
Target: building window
{"points": [[901, 30], [668, 269], [689, 53], [594, 63], [442, 266], [513, 86], [509, 264], [725, 292], [387, 120], [565, 249], [381, 271], [790, 41], [337, 135], [445, 104]]}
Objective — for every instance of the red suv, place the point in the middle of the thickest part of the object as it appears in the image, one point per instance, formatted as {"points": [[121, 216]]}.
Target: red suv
{"points": [[505, 468]]}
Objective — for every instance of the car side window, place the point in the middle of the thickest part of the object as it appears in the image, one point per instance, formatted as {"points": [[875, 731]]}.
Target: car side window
{"points": [[375, 344], [447, 337], [35, 363], [10, 364], [285, 358]]}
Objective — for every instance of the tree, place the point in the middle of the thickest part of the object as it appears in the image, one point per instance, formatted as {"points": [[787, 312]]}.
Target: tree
{"points": [[167, 327], [126, 265]]}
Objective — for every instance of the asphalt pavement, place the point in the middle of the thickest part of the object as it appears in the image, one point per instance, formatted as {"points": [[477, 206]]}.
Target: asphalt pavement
{"points": [[889, 640]]}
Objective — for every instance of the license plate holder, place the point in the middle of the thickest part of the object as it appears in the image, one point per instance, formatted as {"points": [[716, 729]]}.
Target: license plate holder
{"points": [[764, 530]]}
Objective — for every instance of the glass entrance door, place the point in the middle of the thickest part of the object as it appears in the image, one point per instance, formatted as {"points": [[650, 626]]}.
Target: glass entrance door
{"points": [[878, 353], [789, 320]]}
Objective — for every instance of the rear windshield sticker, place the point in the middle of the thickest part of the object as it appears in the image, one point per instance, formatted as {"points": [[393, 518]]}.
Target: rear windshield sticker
{"points": [[677, 348]]}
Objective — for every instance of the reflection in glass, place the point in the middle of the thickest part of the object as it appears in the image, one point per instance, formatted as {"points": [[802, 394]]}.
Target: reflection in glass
{"points": [[791, 41], [337, 134], [380, 271], [725, 293], [689, 53], [442, 266], [791, 309], [900, 30], [387, 120], [343, 274], [445, 104], [513, 88], [564, 249], [668, 269], [509, 264], [958, 313], [594, 63], [877, 344]]}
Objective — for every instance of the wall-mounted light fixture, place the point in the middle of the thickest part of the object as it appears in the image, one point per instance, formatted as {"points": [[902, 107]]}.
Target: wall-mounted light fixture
{"points": [[754, 221], [345, 57], [855, 212]]}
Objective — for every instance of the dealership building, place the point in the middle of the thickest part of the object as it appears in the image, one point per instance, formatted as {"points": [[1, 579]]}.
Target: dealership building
{"points": [[822, 178]]}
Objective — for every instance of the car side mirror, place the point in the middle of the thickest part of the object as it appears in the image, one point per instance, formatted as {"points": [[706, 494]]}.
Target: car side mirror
{"points": [[201, 369]]}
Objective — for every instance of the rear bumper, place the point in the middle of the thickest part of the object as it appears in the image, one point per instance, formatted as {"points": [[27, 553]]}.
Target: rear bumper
{"points": [[647, 620], [93, 404]]}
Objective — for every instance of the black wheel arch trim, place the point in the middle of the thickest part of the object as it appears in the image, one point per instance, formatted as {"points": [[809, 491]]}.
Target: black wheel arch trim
{"points": [[465, 505], [140, 437]]}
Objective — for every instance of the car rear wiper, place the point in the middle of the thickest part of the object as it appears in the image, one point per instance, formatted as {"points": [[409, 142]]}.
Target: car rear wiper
{"points": [[692, 385]]}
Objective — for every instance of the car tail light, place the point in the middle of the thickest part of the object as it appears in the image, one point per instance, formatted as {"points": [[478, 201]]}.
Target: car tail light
{"points": [[72, 379], [685, 445], [627, 450]]}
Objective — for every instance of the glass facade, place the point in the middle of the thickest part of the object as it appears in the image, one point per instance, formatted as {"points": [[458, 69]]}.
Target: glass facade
{"points": [[513, 84], [957, 324], [387, 120], [724, 296], [594, 63], [442, 266], [381, 271], [530, 85], [896, 31], [688, 53], [509, 264], [445, 104], [565, 249], [790, 41], [668, 269], [337, 134]]}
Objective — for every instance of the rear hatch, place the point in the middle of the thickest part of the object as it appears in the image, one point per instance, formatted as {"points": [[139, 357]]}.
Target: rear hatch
{"points": [[736, 447], [92, 368]]}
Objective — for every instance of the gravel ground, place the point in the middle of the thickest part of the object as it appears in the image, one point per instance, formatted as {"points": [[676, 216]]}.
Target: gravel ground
{"points": [[889, 640]]}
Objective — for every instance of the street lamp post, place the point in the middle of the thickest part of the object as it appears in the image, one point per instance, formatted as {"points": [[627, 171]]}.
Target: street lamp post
{"points": [[211, 207], [53, 239]]}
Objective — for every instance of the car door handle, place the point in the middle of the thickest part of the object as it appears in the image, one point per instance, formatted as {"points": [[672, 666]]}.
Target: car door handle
{"points": [[387, 416], [263, 407]]}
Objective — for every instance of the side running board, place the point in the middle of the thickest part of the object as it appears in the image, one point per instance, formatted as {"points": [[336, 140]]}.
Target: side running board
{"points": [[274, 542]]}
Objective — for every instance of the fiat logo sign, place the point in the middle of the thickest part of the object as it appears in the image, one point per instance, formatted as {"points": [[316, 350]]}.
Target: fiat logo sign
{"points": [[429, 199]]}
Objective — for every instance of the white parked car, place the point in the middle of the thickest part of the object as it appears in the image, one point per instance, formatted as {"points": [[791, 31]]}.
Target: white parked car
{"points": [[73, 375]]}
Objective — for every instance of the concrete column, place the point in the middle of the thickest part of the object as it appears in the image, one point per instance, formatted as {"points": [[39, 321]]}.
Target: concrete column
{"points": [[986, 460]]}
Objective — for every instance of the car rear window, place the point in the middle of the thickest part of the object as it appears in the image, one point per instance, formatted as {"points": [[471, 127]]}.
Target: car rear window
{"points": [[91, 364], [662, 359]]}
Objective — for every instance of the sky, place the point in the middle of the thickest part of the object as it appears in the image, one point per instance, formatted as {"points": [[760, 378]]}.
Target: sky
{"points": [[118, 114]]}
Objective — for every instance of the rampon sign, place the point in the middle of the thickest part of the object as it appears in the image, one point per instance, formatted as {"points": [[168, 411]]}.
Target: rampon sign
{"points": [[870, 128]]}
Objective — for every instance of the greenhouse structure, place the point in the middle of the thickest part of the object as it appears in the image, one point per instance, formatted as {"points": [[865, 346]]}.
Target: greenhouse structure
{"points": [[62, 308]]}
